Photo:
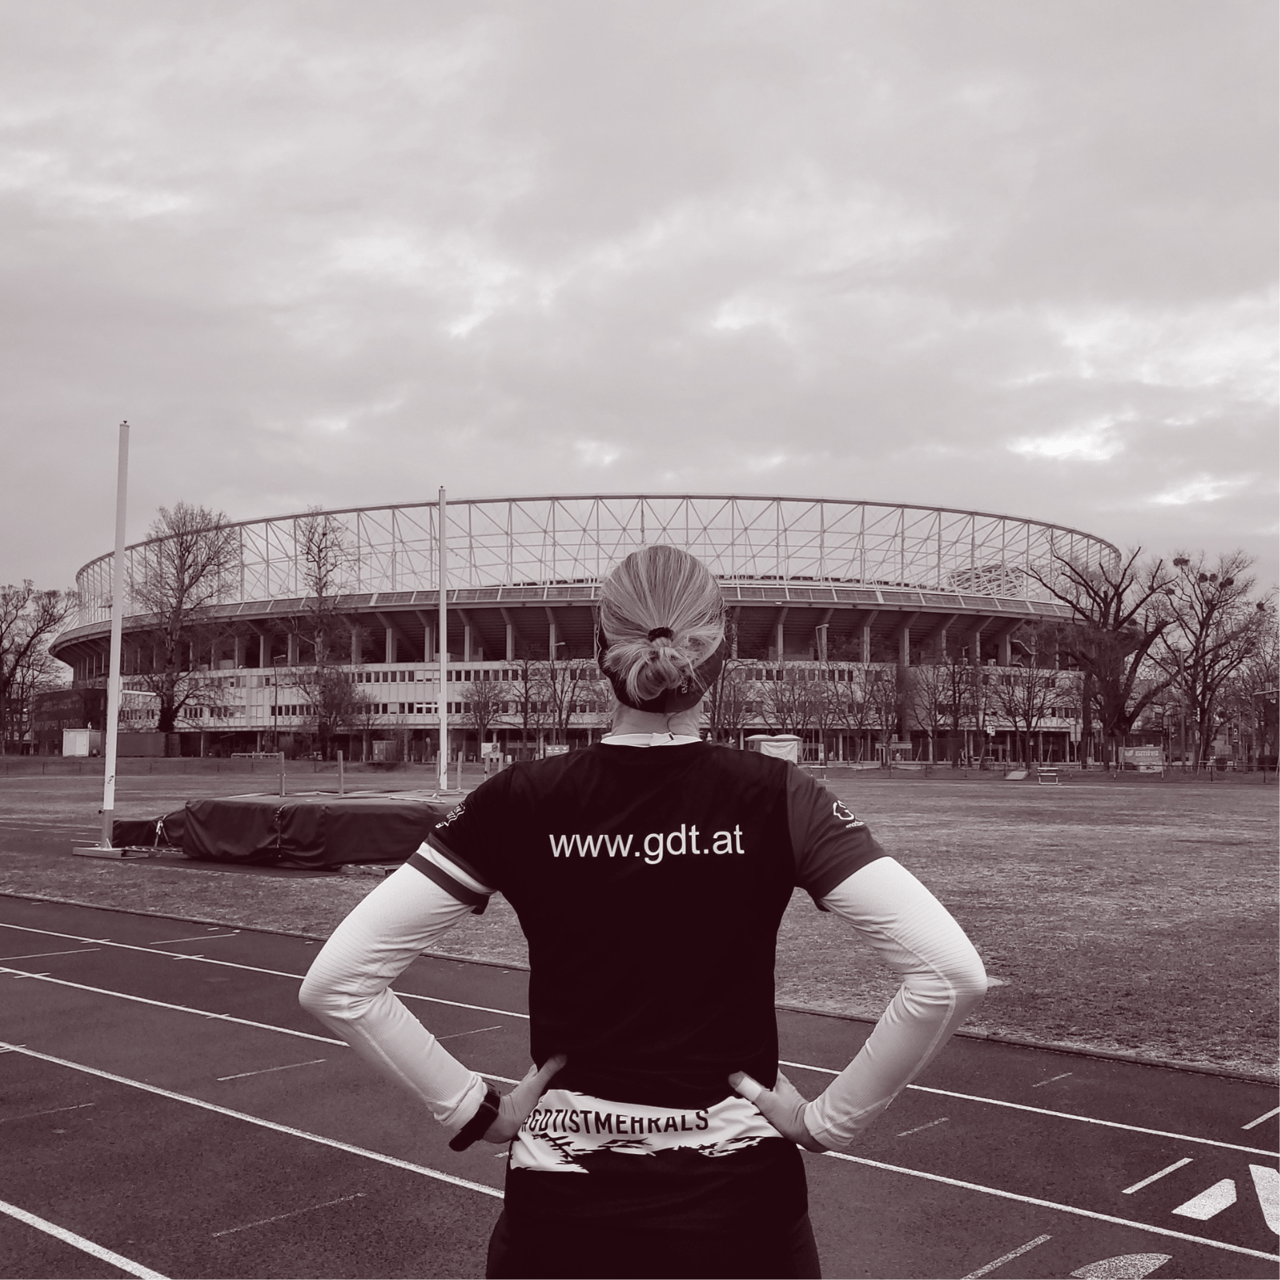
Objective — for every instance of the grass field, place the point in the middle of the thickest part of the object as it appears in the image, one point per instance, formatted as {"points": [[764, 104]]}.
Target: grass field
{"points": [[1127, 915]]}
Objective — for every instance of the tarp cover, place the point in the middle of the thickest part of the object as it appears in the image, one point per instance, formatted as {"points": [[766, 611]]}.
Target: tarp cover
{"points": [[150, 832], [297, 831]]}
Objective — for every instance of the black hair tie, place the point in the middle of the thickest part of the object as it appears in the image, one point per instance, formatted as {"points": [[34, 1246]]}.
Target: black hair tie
{"points": [[662, 631]]}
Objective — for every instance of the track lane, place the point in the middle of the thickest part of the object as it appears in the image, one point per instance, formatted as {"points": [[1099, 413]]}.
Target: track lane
{"points": [[949, 1139], [428, 972], [208, 1195]]}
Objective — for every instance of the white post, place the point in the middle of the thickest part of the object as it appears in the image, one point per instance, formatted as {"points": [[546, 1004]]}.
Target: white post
{"points": [[117, 620], [443, 759]]}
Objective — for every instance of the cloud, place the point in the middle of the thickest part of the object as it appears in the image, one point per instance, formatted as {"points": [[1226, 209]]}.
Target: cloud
{"points": [[592, 453], [1202, 489], [1095, 442], [995, 256], [1225, 345]]}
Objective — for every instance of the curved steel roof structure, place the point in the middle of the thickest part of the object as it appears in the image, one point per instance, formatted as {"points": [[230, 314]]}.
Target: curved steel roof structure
{"points": [[874, 573]]}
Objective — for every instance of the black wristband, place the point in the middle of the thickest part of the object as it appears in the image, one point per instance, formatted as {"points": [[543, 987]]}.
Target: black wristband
{"points": [[475, 1128]]}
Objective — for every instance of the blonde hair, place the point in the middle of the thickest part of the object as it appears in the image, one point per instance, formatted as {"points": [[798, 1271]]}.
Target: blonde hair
{"points": [[653, 589]]}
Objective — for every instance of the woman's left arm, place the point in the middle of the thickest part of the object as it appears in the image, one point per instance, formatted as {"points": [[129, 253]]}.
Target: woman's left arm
{"points": [[943, 982]]}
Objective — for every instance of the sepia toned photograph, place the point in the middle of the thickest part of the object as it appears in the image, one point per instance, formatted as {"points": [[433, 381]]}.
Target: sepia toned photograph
{"points": [[639, 639]]}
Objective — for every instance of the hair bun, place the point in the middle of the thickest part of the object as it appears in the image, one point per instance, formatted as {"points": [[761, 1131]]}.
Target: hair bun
{"points": [[661, 633]]}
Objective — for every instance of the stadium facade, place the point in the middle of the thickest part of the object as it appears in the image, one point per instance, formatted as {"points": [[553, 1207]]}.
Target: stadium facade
{"points": [[815, 589]]}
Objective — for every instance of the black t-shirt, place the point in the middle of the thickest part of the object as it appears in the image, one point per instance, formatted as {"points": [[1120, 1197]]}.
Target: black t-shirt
{"points": [[650, 884]]}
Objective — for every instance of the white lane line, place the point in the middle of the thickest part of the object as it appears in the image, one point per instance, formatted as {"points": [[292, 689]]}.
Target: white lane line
{"points": [[280, 1217], [253, 968], [1275, 1111], [200, 937], [921, 1127], [512, 1013], [1210, 1202], [476, 1032], [1008, 1257], [457, 1004], [1041, 1083], [79, 1242], [1146, 1182], [45, 826], [1061, 1115], [52, 1111], [178, 1008], [1051, 1204], [1126, 1266], [240, 1075], [1266, 1182], [39, 955], [438, 1174], [217, 1017]]}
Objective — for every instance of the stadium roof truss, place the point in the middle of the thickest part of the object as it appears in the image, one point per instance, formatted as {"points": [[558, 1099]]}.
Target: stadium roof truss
{"points": [[499, 543]]}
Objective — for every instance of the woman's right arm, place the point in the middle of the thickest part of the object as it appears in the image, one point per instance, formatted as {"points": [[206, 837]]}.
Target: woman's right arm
{"points": [[348, 989]]}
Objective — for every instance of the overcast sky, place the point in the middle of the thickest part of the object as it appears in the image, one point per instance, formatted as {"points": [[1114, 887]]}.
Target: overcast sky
{"points": [[990, 254]]}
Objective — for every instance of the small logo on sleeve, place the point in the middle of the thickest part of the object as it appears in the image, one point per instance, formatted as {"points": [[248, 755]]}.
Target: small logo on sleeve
{"points": [[846, 815], [455, 812]]}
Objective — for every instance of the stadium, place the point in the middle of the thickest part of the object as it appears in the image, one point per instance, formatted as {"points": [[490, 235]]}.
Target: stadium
{"points": [[821, 591]]}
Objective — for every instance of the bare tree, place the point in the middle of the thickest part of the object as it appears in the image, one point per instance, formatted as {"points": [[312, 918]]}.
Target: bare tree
{"points": [[955, 700], [325, 561], [726, 702], [928, 700], [1253, 691], [364, 717], [887, 693], [593, 696], [786, 705], [186, 568], [855, 707], [979, 703], [1025, 694], [39, 673], [1216, 627], [486, 701], [336, 704], [529, 701], [558, 684], [1121, 611], [29, 619], [827, 700]]}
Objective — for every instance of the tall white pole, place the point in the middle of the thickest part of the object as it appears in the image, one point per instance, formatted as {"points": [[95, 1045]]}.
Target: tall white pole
{"points": [[117, 620], [443, 629]]}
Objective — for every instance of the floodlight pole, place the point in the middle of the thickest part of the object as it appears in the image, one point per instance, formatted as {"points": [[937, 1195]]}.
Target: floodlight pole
{"points": [[117, 621], [443, 629]]}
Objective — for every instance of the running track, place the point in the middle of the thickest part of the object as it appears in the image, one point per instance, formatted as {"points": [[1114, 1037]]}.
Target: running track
{"points": [[166, 1108]]}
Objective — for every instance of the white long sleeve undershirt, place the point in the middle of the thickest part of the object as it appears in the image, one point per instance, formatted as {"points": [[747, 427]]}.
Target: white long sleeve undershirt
{"points": [[348, 989], [943, 981]]}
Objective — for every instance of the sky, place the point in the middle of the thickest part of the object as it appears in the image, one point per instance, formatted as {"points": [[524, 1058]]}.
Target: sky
{"points": [[982, 254]]}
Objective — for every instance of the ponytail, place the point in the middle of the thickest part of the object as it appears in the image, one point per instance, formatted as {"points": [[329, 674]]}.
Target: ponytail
{"points": [[661, 618]]}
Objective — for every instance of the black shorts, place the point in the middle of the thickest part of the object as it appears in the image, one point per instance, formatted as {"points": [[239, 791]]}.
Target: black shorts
{"points": [[674, 1214]]}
